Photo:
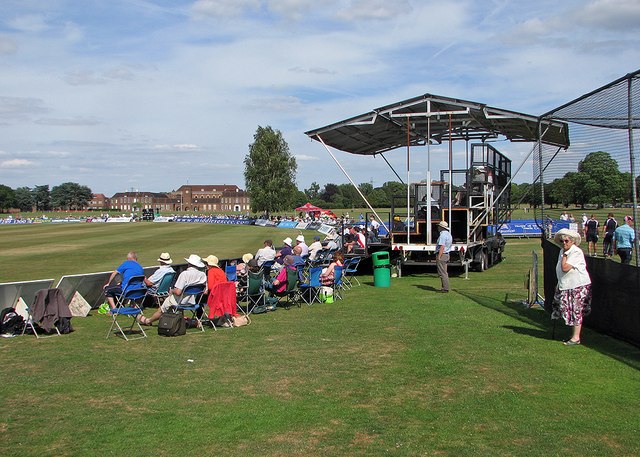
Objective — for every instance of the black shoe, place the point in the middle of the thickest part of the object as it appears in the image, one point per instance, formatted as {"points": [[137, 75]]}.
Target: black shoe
{"points": [[442, 291]]}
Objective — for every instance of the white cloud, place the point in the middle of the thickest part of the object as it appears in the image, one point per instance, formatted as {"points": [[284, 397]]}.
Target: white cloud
{"points": [[223, 8], [305, 157], [31, 23], [610, 14], [374, 9], [16, 163]]}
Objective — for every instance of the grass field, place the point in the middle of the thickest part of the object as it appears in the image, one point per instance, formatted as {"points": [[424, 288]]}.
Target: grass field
{"points": [[400, 371]]}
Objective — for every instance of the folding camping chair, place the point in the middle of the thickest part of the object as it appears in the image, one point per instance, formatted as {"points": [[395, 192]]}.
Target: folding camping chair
{"points": [[338, 284], [231, 272], [126, 305], [267, 266], [290, 293], [222, 301], [46, 306], [254, 293], [311, 288], [162, 290], [195, 291], [350, 270]]}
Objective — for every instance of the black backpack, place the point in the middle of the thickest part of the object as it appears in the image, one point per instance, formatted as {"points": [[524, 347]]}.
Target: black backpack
{"points": [[172, 324], [11, 322]]}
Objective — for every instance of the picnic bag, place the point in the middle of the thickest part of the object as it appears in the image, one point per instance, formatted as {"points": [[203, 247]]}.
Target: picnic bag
{"points": [[172, 324], [239, 321]]}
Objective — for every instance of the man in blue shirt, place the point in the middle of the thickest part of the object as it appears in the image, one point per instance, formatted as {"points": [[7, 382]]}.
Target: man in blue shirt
{"points": [[623, 239], [443, 247], [127, 269]]}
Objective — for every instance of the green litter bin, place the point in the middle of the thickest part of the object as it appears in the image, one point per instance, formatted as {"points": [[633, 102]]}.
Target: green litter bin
{"points": [[381, 269]]}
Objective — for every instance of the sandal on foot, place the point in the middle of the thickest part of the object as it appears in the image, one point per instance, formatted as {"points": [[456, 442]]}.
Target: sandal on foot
{"points": [[571, 343]]}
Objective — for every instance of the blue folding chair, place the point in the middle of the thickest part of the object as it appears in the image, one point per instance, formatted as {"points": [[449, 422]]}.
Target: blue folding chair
{"points": [[196, 291], [127, 305], [231, 272], [350, 270], [311, 289]]}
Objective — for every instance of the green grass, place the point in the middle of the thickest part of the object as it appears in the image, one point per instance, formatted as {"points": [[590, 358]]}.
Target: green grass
{"points": [[399, 371]]}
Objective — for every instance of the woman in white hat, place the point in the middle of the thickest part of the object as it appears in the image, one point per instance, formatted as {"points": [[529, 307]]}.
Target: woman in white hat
{"points": [[285, 251], [572, 299]]}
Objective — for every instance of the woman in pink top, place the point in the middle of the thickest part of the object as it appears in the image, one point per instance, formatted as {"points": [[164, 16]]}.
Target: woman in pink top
{"points": [[326, 278]]}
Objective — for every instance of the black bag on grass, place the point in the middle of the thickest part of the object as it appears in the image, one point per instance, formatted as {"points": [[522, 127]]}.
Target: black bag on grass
{"points": [[11, 322], [172, 324]]}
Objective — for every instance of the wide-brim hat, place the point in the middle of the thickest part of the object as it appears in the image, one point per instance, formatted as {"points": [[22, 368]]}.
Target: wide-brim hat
{"points": [[443, 224], [300, 238], [165, 258], [287, 241], [211, 260], [565, 232], [248, 256], [195, 260]]}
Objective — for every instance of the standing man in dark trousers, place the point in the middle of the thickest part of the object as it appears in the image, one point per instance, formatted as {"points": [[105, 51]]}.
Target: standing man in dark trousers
{"points": [[609, 228], [624, 239], [443, 247]]}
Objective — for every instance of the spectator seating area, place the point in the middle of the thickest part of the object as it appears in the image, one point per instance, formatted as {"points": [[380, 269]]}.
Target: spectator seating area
{"points": [[246, 292]]}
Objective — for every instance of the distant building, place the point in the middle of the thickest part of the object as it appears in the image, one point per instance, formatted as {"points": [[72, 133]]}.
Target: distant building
{"points": [[194, 198], [212, 198], [99, 202], [133, 201]]}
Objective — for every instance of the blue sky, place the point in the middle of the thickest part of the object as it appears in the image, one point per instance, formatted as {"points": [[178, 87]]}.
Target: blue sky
{"points": [[149, 95]]}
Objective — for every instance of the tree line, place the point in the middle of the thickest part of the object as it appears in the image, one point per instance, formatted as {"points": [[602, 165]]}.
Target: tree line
{"points": [[66, 196], [597, 181]]}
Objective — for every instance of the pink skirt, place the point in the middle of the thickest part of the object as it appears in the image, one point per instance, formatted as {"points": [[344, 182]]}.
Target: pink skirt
{"points": [[572, 304]]}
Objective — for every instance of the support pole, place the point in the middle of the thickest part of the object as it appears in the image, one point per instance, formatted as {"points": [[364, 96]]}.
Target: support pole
{"points": [[632, 161]]}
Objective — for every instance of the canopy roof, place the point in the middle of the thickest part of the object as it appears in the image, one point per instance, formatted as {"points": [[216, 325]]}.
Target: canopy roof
{"points": [[308, 207], [435, 118]]}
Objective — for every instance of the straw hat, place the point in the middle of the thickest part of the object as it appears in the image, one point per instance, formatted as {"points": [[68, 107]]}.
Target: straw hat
{"points": [[562, 233], [195, 260], [165, 258], [443, 224], [287, 241], [248, 256], [211, 260]]}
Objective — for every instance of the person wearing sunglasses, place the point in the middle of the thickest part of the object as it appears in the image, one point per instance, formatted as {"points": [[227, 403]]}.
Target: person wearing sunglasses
{"points": [[572, 298]]}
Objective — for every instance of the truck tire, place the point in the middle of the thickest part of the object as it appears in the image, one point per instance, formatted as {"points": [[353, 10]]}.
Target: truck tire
{"points": [[483, 261]]}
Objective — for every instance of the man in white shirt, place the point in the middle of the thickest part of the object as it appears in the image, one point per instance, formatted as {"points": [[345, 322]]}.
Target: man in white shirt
{"points": [[154, 280], [315, 247], [266, 254]]}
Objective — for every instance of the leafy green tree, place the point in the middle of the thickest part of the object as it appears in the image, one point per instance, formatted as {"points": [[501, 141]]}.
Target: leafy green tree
{"points": [[70, 195], [366, 188], [7, 197], [350, 196], [299, 199], [313, 192], [601, 179], [42, 197], [379, 198], [327, 194], [23, 199], [270, 172]]}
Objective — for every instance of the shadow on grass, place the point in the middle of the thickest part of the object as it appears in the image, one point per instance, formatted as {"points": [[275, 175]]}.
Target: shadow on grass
{"points": [[429, 288], [607, 345]]}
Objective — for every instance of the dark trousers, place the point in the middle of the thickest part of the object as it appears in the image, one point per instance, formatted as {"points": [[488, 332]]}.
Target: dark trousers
{"points": [[625, 255]]}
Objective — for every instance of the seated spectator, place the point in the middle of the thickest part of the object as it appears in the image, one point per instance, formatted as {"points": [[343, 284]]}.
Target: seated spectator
{"points": [[279, 284], [215, 274], [266, 254], [398, 225], [127, 269], [327, 275], [241, 268], [297, 256], [315, 247], [358, 240], [300, 242], [332, 241], [153, 281], [285, 251], [191, 276]]}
